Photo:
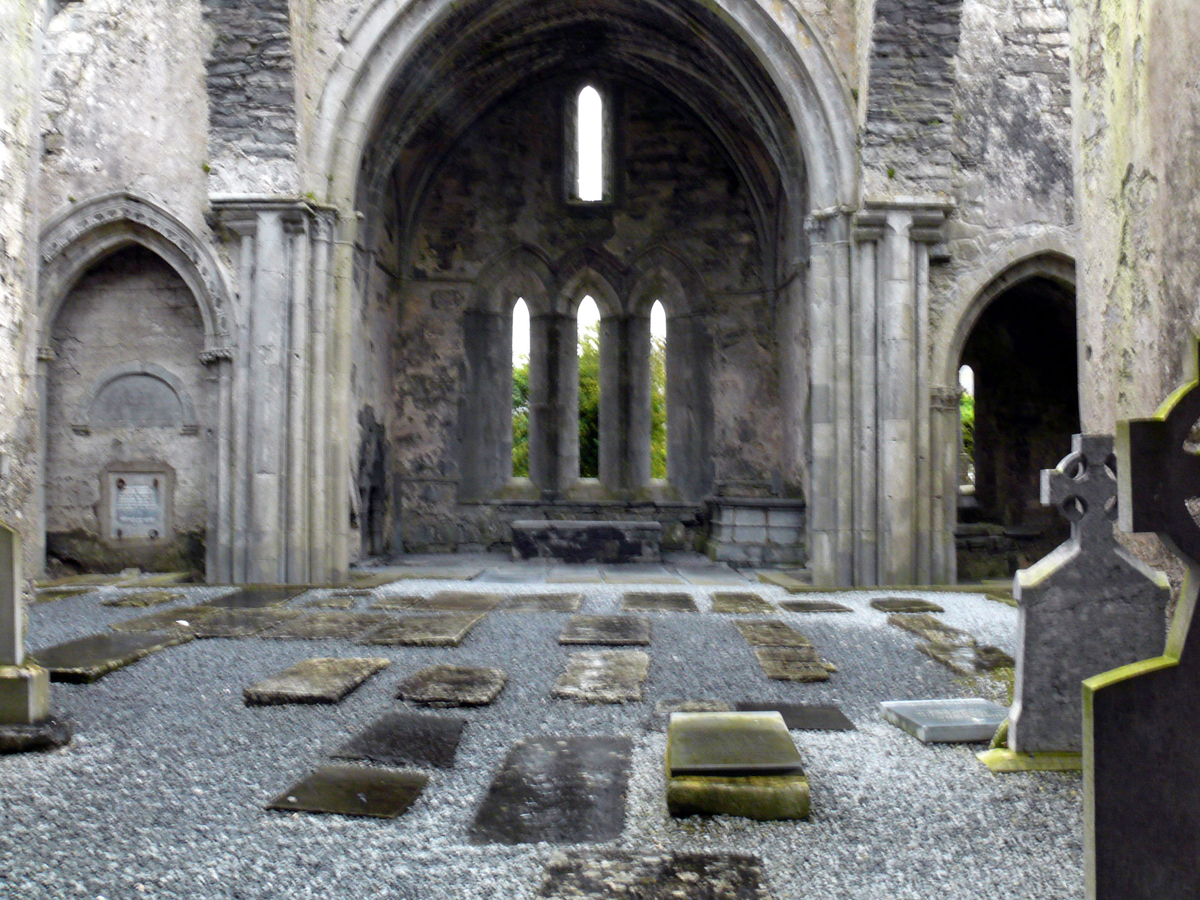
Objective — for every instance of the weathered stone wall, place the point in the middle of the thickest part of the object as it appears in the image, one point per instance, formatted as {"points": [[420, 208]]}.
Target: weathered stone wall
{"points": [[19, 36], [129, 308]]}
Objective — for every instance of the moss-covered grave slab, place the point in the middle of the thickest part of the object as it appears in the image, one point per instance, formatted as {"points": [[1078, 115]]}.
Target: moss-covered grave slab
{"points": [[239, 623], [664, 876], [353, 791], [450, 685], [319, 626], [1002, 760], [459, 601], [322, 680], [258, 596], [141, 599], [613, 631], [905, 605], [740, 602], [772, 633], [544, 603], [182, 619], [403, 601], [446, 630], [603, 676], [648, 601], [800, 664], [815, 606], [88, 659]]}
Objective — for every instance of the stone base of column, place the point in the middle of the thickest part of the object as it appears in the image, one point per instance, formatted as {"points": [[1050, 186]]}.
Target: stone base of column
{"points": [[25, 721]]}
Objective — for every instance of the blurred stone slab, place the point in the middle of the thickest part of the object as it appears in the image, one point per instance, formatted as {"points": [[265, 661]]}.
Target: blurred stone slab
{"points": [[239, 623], [970, 659], [930, 628], [814, 606], [322, 680], [353, 791], [47, 734], [450, 685], [772, 634], [403, 602], [378, 578], [561, 790], [646, 601], [639, 574], [803, 717], [740, 602], [946, 721], [664, 876], [1002, 760], [46, 595], [799, 664], [606, 630], [729, 744], [401, 738], [87, 659], [586, 540], [258, 596], [531, 573], [446, 630], [714, 577], [603, 676], [181, 618], [89, 581], [155, 579], [574, 575], [143, 599], [664, 708], [336, 601], [905, 605], [459, 601], [315, 626], [785, 580], [544, 603]]}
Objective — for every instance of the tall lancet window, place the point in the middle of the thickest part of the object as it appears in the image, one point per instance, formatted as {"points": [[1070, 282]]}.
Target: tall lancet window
{"points": [[589, 145]]}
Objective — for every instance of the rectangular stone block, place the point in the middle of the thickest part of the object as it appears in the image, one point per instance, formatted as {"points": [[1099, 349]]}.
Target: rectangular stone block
{"points": [[730, 744], [946, 721], [314, 681], [24, 695], [581, 541]]}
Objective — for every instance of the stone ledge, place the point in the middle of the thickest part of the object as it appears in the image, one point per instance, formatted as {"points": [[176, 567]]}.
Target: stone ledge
{"points": [[49, 734], [763, 797]]}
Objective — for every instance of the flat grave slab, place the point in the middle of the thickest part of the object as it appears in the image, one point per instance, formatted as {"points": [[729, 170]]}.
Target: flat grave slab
{"points": [[87, 659], [647, 601], [459, 601], [714, 577], [402, 738], [239, 623], [86, 580], [336, 601], [606, 630], [322, 680], [730, 744], [181, 618], [785, 580], [372, 579], [447, 630], [143, 599], [740, 602], [603, 676], [946, 721], [802, 717], [353, 791], [929, 627], [669, 876], [544, 603], [402, 602], [562, 790], [800, 664], [905, 605], [316, 626], [449, 685], [639, 574], [155, 579], [814, 606], [772, 634], [531, 575], [664, 708], [46, 595], [567, 574], [968, 659], [258, 596]]}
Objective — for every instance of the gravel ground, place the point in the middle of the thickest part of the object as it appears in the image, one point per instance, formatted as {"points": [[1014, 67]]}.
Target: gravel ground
{"points": [[161, 792]]}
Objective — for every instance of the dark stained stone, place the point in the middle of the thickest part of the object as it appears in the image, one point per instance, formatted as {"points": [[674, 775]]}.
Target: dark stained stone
{"points": [[792, 664], [803, 717], [181, 618], [88, 659], [314, 681], [239, 623], [143, 598], [586, 541], [563, 790], [403, 602], [459, 601], [647, 601], [772, 634], [258, 596], [606, 630], [814, 606], [353, 791], [401, 738], [603, 676], [905, 605], [740, 602], [49, 734], [423, 631], [544, 603], [730, 744], [449, 685], [315, 626], [665, 876]]}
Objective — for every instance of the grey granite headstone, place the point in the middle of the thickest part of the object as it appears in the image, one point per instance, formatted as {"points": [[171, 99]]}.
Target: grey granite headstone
{"points": [[606, 630], [603, 676], [87, 659], [1087, 607], [449, 685], [946, 721], [561, 790], [313, 681], [663, 876], [353, 791], [399, 739]]}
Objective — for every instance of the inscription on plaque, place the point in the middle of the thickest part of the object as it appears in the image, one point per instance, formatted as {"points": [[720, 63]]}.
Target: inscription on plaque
{"points": [[137, 504]]}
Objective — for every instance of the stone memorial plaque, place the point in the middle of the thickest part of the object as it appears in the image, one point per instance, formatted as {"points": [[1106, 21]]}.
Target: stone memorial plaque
{"points": [[730, 744], [239, 623], [87, 659], [946, 721], [313, 681], [814, 606], [740, 602], [353, 791], [603, 676], [646, 601], [560, 790], [181, 618], [544, 603], [449, 685], [138, 505], [314, 626], [400, 738], [799, 664], [459, 601], [772, 634], [606, 630], [258, 596], [142, 599], [662, 876], [905, 605], [447, 630], [402, 602], [803, 717]]}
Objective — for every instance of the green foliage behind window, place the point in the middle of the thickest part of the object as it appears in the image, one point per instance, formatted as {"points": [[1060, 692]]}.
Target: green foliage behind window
{"points": [[520, 401], [589, 403], [966, 409], [658, 408]]}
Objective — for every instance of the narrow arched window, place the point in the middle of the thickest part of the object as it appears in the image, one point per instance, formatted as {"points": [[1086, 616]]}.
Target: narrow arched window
{"points": [[588, 330], [658, 391], [966, 380], [589, 145], [520, 389]]}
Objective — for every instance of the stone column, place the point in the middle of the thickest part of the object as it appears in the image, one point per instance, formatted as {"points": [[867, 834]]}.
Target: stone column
{"points": [[690, 406], [553, 402], [624, 402], [485, 420], [946, 438], [24, 689]]}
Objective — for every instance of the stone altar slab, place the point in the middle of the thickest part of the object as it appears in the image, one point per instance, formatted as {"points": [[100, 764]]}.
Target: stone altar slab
{"points": [[314, 626], [322, 680], [740, 602], [648, 601], [353, 791], [88, 659], [669, 876], [401, 738], [603, 676], [447, 630], [803, 717], [544, 603], [450, 685], [560, 790], [946, 721], [606, 630]]}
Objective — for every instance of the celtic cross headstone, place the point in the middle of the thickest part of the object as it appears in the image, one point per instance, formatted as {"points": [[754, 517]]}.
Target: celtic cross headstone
{"points": [[1141, 754], [1087, 607]]}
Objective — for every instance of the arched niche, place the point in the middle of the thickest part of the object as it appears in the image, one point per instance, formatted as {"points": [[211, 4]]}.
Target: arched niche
{"points": [[138, 395]]}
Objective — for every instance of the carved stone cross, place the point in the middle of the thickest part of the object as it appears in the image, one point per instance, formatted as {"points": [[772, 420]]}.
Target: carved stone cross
{"points": [[1084, 488]]}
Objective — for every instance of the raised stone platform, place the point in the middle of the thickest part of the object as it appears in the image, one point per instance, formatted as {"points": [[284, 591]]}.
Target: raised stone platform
{"points": [[579, 541]]}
